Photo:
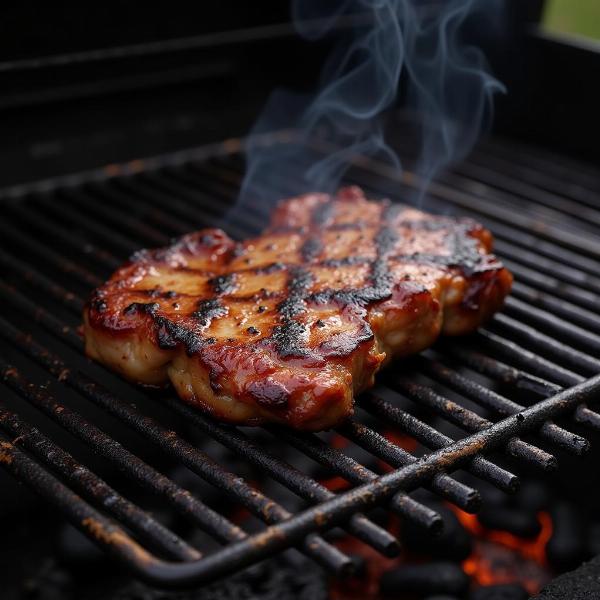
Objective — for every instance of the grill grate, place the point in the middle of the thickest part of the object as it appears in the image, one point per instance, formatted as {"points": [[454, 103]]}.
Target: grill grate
{"points": [[532, 363]]}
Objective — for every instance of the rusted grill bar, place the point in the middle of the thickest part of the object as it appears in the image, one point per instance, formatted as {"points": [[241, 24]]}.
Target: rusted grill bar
{"points": [[64, 237]]}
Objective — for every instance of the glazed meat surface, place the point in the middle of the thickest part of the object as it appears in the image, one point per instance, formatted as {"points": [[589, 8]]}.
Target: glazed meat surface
{"points": [[289, 326]]}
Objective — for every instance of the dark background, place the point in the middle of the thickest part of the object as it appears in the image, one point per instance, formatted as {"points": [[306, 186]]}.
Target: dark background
{"points": [[83, 85]]}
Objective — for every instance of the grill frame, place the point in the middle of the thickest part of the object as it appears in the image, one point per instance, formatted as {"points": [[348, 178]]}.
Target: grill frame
{"points": [[562, 390]]}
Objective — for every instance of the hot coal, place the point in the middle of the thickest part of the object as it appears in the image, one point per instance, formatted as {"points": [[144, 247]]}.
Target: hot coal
{"points": [[507, 591], [276, 579], [428, 578], [567, 547], [522, 523], [581, 584]]}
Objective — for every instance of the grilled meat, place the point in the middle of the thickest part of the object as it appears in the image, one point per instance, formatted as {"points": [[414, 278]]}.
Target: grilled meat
{"points": [[289, 326]]}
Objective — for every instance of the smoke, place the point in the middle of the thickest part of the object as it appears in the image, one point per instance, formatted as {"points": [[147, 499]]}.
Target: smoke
{"points": [[445, 79]]}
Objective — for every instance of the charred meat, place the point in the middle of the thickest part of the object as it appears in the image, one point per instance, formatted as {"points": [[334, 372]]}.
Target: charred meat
{"points": [[289, 326]]}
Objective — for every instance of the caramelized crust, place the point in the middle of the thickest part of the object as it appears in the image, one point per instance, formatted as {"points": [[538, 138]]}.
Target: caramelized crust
{"points": [[288, 326]]}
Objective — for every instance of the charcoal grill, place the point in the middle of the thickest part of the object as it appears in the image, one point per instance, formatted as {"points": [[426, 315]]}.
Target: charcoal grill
{"points": [[537, 361]]}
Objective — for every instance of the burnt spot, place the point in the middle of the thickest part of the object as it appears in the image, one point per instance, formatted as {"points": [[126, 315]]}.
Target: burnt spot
{"points": [[381, 279], [208, 310], [346, 261], [350, 296], [252, 330], [261, 309], [385, 240], [223, 284], [151, 293], [298, 284], [211, 239], [429, 224], [166, 334], [322, 213], [463, 254], [268, 393], [157, 292], [136, 308], [320, 323], [169, 335], [290, 339], [392, 211], [99, 305], [141, 255], [271, 268], [238, 251], [311, 249], [345, 344], [300, 281]]}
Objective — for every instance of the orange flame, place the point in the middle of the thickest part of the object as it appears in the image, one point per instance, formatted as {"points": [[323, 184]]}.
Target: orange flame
{"points": [[483, 563], [534, 549]]}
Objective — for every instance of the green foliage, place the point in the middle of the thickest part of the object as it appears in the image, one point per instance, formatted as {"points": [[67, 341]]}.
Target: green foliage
{"points": [[579, 17]]}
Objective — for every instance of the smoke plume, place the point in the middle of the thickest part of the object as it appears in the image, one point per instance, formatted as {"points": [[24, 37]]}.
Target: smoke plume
{"points": [[419, 48]]}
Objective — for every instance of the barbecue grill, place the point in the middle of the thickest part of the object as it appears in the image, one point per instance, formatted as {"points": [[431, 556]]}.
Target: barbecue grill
{"points": [[72, 232], [501, 401]]}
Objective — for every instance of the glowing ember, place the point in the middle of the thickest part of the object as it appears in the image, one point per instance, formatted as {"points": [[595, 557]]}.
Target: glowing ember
{"points": [[366, 585], [492, 563], [404, 441], [500, 557], [335, 484]]}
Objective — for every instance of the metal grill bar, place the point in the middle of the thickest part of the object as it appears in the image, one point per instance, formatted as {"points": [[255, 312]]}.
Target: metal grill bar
{"points": [[87, 483], [354, 472], [489, 399], [471, 421], [165, 196], [431, 438], [301, 484], [574, 358], [498, 476], [134, 467], [113, 538], [261, 506], [460, 494], [462, 499], [567, 310], [68, 237], [456, 492]]}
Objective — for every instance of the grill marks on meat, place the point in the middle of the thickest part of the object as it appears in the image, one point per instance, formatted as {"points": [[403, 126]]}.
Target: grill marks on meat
{"points": [[288, 326]]}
